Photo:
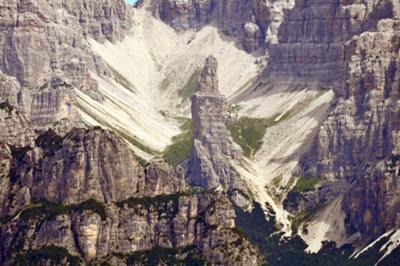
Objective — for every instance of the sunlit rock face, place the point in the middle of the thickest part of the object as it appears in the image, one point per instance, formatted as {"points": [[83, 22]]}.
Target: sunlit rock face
{"points": [[358, 145], [83, 165], [43, 37], [46, 51], [214, 152], [255, 23], [88, 194]]}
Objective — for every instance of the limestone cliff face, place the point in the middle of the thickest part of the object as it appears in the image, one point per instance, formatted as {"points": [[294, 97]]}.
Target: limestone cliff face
{"points": [[83, 165], [86, 194], [83, 189], [359, 142], [45, 48], [189, 226], [357, 147], [351, 47], [52, 105], [15, 129], [101, 20], [214, 153], [254, 22], [41, 38], [312, 38]]}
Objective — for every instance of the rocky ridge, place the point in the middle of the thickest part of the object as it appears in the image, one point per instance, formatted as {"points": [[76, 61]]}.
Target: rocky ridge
{"points": [[214, 153], [86, 197], [83, 165]]}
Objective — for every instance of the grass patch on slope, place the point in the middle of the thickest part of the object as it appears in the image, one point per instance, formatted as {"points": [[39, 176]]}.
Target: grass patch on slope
{"points": [[50, 254], [165, 256], [181, 144], [305, 215], [306, 184], [187, 90], [297, 194], [248, 132], [47, 210]]}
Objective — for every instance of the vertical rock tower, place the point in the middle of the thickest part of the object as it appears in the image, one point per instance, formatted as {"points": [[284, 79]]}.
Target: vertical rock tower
{"points": [[214, 153]]}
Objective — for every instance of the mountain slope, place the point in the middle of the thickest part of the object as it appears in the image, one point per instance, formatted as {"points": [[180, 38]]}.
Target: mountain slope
{"points": [[308, 90]]}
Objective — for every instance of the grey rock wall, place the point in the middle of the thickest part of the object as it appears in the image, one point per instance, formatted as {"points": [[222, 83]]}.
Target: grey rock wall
{"points": [[214, 152]]}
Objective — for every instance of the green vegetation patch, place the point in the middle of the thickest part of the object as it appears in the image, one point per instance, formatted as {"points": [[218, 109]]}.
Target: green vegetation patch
{"points": [[149, 201], [187, 90], [306, 184], [166, 205], [248, 132], [374, 254], [166, 256], [306, 215], [134, 141], [181, 144], [44, 209], [49, 255], [187, 255], [47, 210], [254, 224], [93, 206], [278, 250], [297, 220]]}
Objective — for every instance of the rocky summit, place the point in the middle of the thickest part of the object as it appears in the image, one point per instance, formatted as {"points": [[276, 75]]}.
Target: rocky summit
{"points": [[214, 154], [202, 132]]}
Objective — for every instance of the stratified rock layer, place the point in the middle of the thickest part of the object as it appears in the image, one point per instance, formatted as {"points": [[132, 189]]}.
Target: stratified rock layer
{"points": [[45, 48], [203, 224], [15, 129], [87, 194], [41, 38], [255, 22], [84, 165], [53, 105], [214, 153], [358, 145]]}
